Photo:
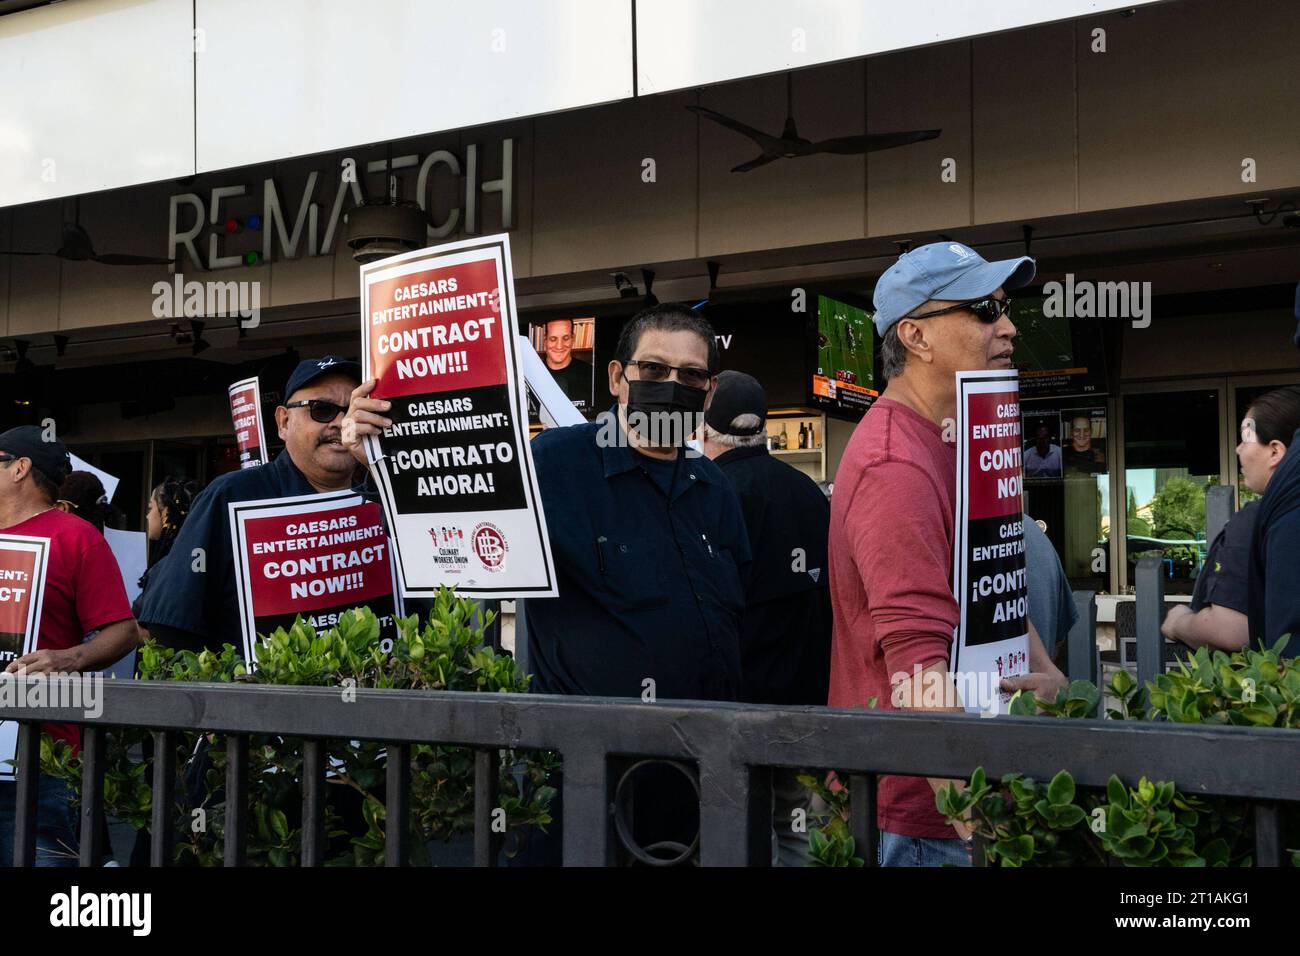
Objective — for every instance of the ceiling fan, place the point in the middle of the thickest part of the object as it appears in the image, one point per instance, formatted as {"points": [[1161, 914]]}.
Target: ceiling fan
{"points": [[77, 247], [790, 144]]}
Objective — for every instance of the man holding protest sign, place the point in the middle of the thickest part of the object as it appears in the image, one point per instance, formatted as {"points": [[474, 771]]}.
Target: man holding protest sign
{"points": [[81, 592], [941, 309], [650, 550], [193, 601]]}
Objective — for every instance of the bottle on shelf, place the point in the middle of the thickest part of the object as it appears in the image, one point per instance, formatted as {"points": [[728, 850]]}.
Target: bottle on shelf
{"points": [[812, 436], [803, 436], [783, 440]]}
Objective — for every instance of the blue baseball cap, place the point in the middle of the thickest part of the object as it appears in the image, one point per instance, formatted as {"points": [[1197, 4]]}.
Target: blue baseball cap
{"points": [[311, 369], [949, 271]]}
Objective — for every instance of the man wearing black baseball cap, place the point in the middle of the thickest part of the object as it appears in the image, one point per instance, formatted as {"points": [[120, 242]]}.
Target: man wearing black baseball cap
{"points": [[193, 602], [940, 309], [785, 632], [83, 593]]}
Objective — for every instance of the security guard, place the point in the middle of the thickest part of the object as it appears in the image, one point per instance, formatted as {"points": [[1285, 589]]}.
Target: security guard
{"points": [[785, 634], [192, 601]]}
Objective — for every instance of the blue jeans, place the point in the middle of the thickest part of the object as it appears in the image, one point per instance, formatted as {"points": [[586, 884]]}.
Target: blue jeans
{"points": [[56, 825], [898, 850]]}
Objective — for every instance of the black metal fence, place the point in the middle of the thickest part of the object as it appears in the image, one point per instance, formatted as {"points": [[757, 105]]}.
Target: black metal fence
{"points": [[732, 747]]}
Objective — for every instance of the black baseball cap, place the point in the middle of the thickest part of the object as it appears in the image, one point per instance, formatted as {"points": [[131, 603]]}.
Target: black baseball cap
{"points": [[311, 369], [50, 458], [736, 394]]}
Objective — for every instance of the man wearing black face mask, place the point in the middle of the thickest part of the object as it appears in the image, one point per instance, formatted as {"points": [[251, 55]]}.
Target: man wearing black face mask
{"points": [[650, 550], [648, 537]]}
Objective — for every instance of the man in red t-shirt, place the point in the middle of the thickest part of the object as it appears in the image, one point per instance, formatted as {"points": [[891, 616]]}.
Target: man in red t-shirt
{"points": [[940, 309], [83, 593]]}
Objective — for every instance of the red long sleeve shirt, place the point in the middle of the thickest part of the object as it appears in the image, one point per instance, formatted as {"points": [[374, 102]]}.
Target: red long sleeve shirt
{"points": [[891, 539]]}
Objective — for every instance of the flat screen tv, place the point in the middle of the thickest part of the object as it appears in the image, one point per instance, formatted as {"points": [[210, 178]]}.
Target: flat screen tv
{"points": [[844, 378]]}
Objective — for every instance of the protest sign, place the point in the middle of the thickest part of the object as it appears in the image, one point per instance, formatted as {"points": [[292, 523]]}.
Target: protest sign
{"points": [[131, 549], [455, 471], [22, 588], [246, 414], [109, 482], [316, 555], [992, 638]]}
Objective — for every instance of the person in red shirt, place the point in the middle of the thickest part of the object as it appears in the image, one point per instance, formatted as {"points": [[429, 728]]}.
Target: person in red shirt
{"points": [[83, 593], [940, 310]]}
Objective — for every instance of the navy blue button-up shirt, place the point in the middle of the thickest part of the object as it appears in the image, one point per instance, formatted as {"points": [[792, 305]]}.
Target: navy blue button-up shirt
{"points": [[649, 557]]}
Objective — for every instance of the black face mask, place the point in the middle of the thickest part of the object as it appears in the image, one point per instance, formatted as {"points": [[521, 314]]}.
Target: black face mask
{"points": [[664, 413]]}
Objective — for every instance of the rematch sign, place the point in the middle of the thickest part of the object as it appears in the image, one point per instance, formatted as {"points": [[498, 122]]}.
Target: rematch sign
{"points": [[989, 549], [22, 587], [317, 556], [246, 415], [455, 472]]}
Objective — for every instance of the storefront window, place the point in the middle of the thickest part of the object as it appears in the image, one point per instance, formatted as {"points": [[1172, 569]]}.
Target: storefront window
{"points": [[1171, 456], [1067, 484]]}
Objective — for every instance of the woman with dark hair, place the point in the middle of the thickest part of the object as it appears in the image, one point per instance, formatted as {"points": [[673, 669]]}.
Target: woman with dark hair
{"points": [[169, 506], [1220, 616], [1274, 581], [82, 494]]}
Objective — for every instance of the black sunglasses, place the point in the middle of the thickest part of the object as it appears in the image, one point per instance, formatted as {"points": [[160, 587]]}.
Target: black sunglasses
{"points": [[688, 375], [987, 310], [322, 410]]}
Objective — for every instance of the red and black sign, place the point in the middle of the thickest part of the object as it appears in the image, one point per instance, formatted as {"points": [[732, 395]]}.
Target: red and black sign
{"points": [[989, 548], [246, 415], [317, 557], [454, 471]]}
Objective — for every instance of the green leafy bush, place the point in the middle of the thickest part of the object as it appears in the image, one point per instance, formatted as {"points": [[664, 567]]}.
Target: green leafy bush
{"points": [[1023, 822], [1155, 824], [447, 652]]}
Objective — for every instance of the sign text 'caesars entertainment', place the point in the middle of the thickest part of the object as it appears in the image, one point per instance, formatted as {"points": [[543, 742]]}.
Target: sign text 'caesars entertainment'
{"points": [[454, 471]]}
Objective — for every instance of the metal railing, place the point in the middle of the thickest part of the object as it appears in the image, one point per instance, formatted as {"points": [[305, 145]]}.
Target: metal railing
{"points": [[733, 748]]}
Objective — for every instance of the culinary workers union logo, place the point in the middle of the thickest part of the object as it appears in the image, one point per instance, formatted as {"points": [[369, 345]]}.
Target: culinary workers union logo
{"points": [[490, 546]]}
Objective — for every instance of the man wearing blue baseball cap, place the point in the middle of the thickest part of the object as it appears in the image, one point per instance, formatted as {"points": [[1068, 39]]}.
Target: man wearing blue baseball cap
{"points": [[940, 309], [192, 601]]}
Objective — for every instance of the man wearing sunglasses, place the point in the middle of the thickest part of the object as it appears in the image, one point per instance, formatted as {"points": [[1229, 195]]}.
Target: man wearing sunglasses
{"points": [[193, 603], [940, 309]]}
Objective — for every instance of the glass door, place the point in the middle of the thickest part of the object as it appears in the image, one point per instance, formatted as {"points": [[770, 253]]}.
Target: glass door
{"points": [[1174, 450]]}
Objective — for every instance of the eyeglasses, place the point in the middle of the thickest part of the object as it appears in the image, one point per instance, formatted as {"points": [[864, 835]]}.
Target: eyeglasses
{"points": [[987, 310], [322, 410], [8, 458], [688, 375]]}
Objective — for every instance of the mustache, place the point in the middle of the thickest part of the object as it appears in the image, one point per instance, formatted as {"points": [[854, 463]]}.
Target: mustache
{"points": [[329, 436]]}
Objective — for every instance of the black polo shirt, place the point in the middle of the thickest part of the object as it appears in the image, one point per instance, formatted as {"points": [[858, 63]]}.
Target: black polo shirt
{"points": [[1223, 579], [649, 557], [785, 634]]}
